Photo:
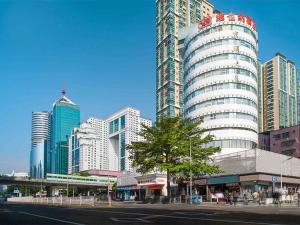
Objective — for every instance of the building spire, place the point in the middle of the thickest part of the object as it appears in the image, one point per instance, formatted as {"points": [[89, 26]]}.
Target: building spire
{"points": [[63, 92]]}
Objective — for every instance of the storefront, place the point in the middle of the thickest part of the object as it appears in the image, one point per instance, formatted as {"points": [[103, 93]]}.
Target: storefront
{"points": [[155, 185], [128, 193]]}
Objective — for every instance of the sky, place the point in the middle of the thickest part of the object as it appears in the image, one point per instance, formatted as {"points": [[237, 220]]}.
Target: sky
{"points": [[103, 54]]}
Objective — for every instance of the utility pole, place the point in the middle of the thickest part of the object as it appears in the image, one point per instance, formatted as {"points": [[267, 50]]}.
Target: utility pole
{"points": [[191, 175]]}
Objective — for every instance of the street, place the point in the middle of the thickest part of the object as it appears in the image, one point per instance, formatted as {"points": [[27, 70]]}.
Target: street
{"points": [[27, 214]]}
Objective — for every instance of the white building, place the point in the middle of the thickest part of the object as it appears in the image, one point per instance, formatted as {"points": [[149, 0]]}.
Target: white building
{"points": [[101, 144], [86, 150], [39, 143], [123, 128], [220, 79], [102, 134]]}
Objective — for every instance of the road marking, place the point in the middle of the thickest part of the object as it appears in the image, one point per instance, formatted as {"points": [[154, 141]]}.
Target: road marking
{"points": [[215, 220], [149, 216], [50, 218], [195, 214], [130, 220]]}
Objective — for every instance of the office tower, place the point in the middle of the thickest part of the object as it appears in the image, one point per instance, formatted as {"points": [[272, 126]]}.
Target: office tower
{"points": [[171, 15], [280, 93], [220, 79], [84, 149], [39, 144], [65, 117], [123, 128]]}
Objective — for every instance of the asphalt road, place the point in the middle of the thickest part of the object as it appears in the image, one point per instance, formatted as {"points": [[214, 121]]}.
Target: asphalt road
{"points": [[22, 214]]}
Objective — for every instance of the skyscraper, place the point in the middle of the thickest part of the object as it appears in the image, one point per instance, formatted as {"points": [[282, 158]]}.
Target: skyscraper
{"points": [[65, 117], [171, 15], [220, 79], [39, 144], [280, 104], [123, 128]]}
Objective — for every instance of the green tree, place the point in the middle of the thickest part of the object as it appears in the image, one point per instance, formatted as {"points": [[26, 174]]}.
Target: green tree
{"points": [[166, 148]]}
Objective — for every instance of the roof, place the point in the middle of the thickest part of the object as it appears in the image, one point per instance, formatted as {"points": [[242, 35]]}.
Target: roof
{"points": [[64, 99]]}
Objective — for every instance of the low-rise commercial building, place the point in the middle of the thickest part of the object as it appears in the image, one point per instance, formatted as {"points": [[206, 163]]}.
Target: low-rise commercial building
{"points": [[284, 141], [251, 171]]}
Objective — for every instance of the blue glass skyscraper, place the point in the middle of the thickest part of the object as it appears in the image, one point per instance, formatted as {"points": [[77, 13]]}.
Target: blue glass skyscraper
{"points": [[65, 117]]}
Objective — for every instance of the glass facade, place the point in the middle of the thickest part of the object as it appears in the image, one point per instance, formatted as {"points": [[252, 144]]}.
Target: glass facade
{"points": [[122, 151], [66, 116]]}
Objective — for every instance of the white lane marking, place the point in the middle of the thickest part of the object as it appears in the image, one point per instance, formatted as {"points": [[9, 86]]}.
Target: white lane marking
{"points": [[50, 218], [195, 214], [149, 216], [129, 220], [215, 220]]}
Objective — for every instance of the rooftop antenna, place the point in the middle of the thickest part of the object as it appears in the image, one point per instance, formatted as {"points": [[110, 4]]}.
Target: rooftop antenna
{"points": [[63, 91]]}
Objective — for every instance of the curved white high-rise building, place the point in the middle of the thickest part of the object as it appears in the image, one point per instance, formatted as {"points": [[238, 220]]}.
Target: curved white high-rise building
{"points": [[40, 127], [220, 79], [39, 143]]}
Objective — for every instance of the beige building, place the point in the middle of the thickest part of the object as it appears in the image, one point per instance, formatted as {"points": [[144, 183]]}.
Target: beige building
{"points": [[279, 93], [171, 15]]}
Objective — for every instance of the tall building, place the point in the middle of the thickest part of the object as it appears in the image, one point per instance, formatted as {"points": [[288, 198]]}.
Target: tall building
{"points": [[260, 97], [84, 149], [65, 117], [280, 104], [102, 134], [171, 15], [39, 144], [123, 128], [298, 100], [220, 79], [101, 144]]}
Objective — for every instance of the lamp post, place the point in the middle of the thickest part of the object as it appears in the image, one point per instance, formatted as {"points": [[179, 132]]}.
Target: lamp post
{"points": [[282, 162], [191, 175], [190, 159]]}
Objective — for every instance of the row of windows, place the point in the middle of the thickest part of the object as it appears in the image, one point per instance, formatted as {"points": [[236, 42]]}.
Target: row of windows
{"points": [[221, 101], [221, 86], [232, 115], [233, 143], [221, 57], [233, 42], [221, 28], [220, 72]]}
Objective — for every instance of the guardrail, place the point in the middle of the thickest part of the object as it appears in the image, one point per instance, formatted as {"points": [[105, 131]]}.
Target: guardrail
{"points": [[87, 201]]}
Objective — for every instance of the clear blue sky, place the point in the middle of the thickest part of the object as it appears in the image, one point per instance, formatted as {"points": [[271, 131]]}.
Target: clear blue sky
{"points": [[104, 53]]}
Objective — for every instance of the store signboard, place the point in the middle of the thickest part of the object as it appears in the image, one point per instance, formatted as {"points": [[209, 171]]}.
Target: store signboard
{"points": [[223, 180], [206, 21]]}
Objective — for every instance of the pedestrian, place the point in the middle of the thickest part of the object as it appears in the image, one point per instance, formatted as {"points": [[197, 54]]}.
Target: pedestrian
{"points": [[245, 199], [230, 198], [235, 197], [260, 197], [298, 195], [226, 196], [255, 196]]}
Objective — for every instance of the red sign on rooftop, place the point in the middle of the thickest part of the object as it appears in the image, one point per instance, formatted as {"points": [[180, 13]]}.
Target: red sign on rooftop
{"points": [[230, 17]]}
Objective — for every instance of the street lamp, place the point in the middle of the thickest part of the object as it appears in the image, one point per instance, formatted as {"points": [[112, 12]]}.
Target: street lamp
{"points": [[191, 175], [282, 162]]}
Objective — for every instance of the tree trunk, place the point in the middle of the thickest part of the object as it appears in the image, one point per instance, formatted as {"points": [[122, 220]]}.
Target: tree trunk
{"points": [[168, 184]]}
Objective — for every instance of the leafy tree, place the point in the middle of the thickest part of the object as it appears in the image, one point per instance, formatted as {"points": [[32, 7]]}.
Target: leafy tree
{"points": [[166, 148], [83, 174]]}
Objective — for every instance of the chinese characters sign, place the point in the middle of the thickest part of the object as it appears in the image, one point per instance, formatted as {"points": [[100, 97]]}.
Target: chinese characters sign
{"points": [[230, 17]]}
